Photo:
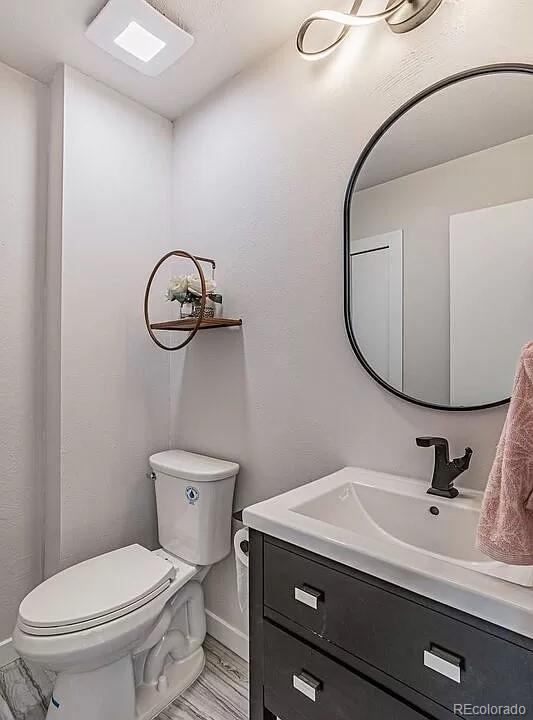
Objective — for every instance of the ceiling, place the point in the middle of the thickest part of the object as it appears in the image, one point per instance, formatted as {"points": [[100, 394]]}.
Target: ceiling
{"points": [[461, 119], [36, 35]]}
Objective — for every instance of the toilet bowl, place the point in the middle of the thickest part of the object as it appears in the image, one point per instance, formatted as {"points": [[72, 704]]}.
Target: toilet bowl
{"points": [[124, 631]]}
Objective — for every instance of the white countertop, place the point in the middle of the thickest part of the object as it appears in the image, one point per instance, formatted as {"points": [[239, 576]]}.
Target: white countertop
{"points": [[378, 554]]}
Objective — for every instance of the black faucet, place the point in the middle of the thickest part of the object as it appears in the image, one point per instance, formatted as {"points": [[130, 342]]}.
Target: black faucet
{"points": [[445, 470]]}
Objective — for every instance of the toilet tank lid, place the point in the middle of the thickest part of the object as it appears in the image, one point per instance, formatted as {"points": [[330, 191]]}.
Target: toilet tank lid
{"points": [[190, 466]]}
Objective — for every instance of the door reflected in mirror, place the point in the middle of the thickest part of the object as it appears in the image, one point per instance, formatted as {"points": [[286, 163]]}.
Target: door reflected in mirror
{"points": [[439, 242]]}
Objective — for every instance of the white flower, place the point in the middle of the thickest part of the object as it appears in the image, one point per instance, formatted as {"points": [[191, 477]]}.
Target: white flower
{"points": [[195, 285], [177, 286], [184, 284]]}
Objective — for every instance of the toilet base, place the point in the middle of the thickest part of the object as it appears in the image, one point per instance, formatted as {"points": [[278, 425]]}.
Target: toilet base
{"points": [[180, 675], [107, 694]]}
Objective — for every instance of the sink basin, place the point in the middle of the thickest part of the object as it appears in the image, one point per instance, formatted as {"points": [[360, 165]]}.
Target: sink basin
{"points": [[388, 526], [403, 512]]}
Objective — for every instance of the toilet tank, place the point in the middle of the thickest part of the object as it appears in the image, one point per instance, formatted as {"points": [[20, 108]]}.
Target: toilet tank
{"points": [[194, 495]]}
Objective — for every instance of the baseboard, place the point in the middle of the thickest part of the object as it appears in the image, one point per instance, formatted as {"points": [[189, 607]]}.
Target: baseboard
{"points": [[7, 652], [230, 636]]}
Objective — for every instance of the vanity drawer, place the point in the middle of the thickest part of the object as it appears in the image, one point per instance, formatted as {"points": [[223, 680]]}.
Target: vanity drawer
{"points": [[300, 681], [449, 661]]}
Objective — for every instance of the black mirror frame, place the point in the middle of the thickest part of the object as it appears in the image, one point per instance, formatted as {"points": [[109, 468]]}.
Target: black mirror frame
{"points": [[452, 80]]}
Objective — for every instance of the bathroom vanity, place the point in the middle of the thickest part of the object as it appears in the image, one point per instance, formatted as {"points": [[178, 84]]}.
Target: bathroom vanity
{"points": [[329, 641]]}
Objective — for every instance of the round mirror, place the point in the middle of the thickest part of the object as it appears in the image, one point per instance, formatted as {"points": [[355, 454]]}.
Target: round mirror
{"points": [[439, 242]]}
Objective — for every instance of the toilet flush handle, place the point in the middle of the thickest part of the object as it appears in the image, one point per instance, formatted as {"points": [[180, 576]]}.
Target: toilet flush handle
{"points": [[150, 475]]}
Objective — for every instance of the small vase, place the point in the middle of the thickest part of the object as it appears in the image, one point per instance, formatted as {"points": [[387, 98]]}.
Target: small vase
{"points": [[216, 299], [186, 310]]}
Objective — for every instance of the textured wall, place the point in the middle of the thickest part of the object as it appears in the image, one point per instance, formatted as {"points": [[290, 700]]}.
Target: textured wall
{"points": [[114, 382], [23, 117], [261, 170]]}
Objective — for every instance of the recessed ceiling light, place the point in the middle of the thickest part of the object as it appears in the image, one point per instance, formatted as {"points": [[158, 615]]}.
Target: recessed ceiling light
{"points": [[140, 42], [136, 33]]}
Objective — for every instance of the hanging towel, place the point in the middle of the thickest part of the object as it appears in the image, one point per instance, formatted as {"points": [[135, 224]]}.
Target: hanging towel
{"points": [[505, 530]]}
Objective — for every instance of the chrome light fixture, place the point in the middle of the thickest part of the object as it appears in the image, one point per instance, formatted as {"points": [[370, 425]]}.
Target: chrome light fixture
{"points": [[400, 15]]}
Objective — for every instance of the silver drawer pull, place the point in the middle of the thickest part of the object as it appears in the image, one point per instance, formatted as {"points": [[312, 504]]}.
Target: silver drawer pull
{"points": [[308, 596], [307, 685], [443, 663]]}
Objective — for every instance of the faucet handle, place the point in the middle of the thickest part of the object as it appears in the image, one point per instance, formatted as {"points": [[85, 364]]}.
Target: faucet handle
{"points": [[429, 441], [463, 463]]}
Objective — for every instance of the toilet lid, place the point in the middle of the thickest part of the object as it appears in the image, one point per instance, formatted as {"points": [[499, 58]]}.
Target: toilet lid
{"points": [[108, 585]]}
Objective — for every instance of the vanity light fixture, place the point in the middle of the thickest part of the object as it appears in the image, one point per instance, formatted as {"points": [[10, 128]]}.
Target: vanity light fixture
{"points": [[400, 15], [136, 33]]}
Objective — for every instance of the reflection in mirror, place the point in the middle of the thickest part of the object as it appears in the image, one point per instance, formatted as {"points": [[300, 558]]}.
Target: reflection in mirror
{"points": [[441, 243]]}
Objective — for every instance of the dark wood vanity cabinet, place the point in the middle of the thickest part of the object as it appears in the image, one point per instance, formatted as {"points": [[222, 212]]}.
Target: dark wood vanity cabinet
{"points": [[331, 643]]}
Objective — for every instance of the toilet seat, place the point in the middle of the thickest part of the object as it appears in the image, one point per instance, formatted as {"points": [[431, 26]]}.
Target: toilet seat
{"points": [[100, 590]]}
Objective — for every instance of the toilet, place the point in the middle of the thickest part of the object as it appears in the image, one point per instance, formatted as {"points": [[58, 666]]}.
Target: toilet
{"points": [[124, 631]]}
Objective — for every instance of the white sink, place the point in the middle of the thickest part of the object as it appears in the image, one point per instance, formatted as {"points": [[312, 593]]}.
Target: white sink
{"points": [[405, 513], [390, 527]]}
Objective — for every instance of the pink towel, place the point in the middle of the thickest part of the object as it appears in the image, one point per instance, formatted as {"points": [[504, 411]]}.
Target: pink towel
{"points": [[505, 530]]}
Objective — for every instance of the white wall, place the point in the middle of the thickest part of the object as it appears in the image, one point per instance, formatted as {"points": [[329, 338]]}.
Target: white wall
{"points": [[261, 170], [112, 213], [421, 204], [23, 119]]}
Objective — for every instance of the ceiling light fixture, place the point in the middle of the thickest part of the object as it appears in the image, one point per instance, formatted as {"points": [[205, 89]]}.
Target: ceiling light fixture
{"points": [[139, 42], [400, 15], [136, 33]]}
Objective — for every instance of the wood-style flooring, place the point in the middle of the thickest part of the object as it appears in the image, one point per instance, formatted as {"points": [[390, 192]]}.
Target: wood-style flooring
{"points": [[220, 693]]}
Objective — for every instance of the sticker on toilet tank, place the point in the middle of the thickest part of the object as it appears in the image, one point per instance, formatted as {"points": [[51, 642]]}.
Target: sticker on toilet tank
{"points": [[192, 494]]}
